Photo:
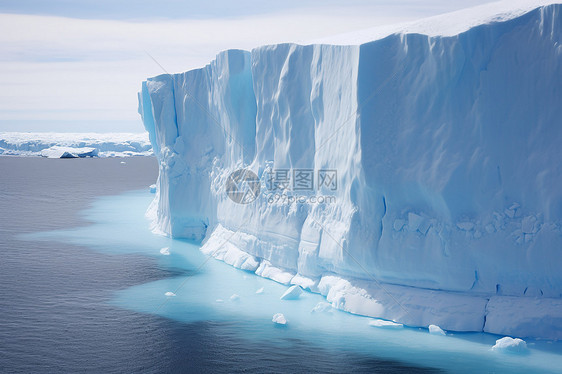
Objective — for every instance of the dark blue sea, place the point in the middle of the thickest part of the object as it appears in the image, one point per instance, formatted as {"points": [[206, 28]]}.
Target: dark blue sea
{"points": [[83, 289]]}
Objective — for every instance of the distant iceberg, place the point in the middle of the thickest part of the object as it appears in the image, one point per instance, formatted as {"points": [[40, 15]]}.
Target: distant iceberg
{"points": [[69, 152], [443, 144], [73, 145]]}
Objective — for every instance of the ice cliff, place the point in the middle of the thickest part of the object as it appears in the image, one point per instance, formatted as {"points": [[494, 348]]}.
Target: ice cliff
{"points": [[448, 204]]}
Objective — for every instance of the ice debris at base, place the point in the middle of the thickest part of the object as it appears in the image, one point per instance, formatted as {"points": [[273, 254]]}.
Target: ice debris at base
{"points": [[279, 319], [165, 251], [169, 294], [381, 323], [259, 291], [69, 152], [152, 188], [235, 297], [445, 138], [322, 307], [293, 293], [436, 330], [508, 344], [54, 145]]}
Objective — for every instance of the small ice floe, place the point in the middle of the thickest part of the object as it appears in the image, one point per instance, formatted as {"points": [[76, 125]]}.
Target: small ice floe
{"points": [[293, 293], [165, 251], [511, 345], [152, 188], [234, 297], [322, 307], [170, 294], [279, 319], [123, 162], [381, 323], [260, 291], [436, 330], [219, 300]]}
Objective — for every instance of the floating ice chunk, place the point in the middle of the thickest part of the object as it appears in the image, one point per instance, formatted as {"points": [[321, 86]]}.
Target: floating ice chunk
{"points": [[508, 344], [436, 330], [219, 300], [234, 297], [381, 323], [152, 188], [279, 319], [165, 251], [292, 293], [322, 307], [260, 291], [170, 294], [123, 162]]}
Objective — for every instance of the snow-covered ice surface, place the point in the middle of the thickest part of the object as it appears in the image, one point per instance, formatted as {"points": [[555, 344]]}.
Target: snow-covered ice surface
{"points": [[203, 288], [57, 145], [446, 141]]}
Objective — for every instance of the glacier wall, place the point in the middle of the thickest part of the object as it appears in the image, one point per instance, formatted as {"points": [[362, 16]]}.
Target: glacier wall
{"points": [[447, 149]]}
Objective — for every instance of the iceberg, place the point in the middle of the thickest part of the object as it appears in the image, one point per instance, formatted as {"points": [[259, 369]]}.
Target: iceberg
{"points": [[69, 152], [72, 145], [279, 319], [413, 177]]}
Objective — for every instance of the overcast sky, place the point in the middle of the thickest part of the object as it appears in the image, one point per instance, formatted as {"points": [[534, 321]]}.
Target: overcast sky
{"points": [[76, 65]]}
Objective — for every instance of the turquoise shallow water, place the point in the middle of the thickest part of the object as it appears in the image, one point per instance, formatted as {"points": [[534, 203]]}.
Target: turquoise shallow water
{"points": [[328, 341]]}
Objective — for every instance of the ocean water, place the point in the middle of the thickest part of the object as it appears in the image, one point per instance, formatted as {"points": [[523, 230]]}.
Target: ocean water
{"points": [[83, 289]]}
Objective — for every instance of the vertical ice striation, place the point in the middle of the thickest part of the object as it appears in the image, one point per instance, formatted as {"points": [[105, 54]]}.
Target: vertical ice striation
{"points": [[447, 151]]}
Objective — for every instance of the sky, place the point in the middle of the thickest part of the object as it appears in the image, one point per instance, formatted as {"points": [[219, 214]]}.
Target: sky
{"points": [[77, 65]]}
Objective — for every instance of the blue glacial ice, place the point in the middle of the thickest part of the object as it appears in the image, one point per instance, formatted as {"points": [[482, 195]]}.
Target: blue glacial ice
{"points": [[447, 150]]}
